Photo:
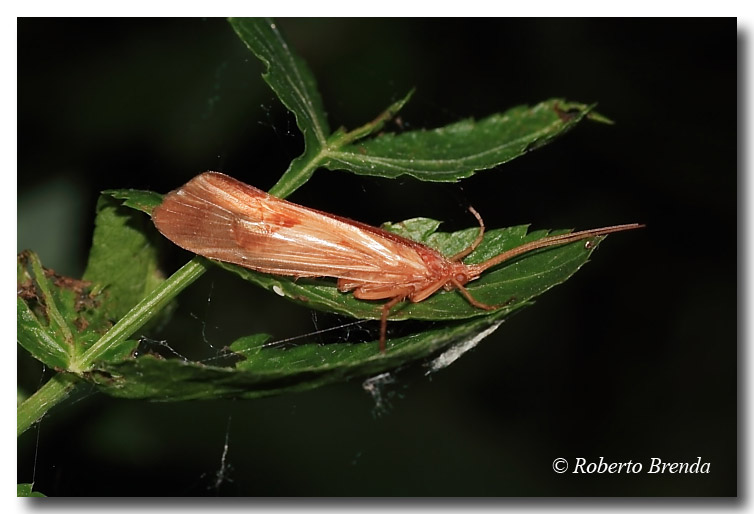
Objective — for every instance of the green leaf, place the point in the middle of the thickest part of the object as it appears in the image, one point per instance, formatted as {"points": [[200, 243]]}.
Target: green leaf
{"points": [[290, 78], [41, 328], [287, 74], [123, 259], [513, 283], [268, 370], [444, 154], [26, 491], [39, 339], [416, 229], [456, 151], [68, 324], [144, 201], [58, 317]]}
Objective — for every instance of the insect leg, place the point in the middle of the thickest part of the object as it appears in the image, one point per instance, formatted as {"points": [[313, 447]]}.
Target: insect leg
{"points": [[386, 311], [476, 303], [463, 253]]}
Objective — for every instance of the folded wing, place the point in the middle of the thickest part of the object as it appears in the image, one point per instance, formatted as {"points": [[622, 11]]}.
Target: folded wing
{"points": [[219, 217]]}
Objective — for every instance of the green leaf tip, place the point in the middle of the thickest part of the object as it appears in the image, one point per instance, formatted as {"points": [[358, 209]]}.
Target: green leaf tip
{"points": [[600, 118], [144, 201], [341, 137], [287, 74]]}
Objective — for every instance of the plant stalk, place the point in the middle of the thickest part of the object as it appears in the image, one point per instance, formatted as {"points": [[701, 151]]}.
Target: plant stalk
{"points": [[296, 176], [35, 406], [141, 313]]}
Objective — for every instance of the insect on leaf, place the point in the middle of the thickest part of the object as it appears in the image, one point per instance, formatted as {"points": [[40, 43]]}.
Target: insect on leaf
{"points": [[224, 219]]}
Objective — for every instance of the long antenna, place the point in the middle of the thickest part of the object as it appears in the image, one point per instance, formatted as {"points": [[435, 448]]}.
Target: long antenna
{"points": [[551, 241]]}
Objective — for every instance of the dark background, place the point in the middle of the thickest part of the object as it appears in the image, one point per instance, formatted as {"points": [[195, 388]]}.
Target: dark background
{"points": [[633, 358]]}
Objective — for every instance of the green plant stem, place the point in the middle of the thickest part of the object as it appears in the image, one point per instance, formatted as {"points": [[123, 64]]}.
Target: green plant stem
{"points": [[35, 406], [141, 313], [296, 176]]}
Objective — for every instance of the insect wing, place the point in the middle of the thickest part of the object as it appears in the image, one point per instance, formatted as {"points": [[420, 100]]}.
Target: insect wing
{"points": [[219, 217]]}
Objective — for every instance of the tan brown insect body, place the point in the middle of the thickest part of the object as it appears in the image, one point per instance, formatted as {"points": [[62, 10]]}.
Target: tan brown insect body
{"points": [[218, 217]]}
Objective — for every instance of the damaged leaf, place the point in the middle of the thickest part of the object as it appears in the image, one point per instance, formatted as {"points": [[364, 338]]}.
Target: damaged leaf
{"points": [[58, 317]]}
